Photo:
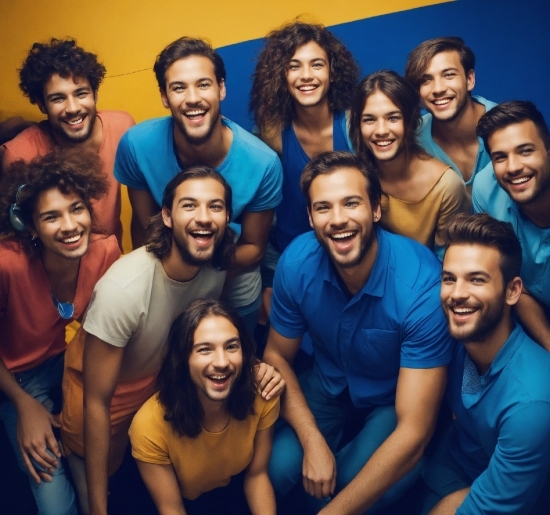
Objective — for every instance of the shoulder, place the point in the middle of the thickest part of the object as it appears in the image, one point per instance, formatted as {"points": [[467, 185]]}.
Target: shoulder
{"points": [[451, 183], [117, 120], [489, 104], [132, 270], [487, 195], [249, 143], [104, 245], [305, 248], [273, 139], [12, 255], [268, 411], [145, 131], [28, 144]]}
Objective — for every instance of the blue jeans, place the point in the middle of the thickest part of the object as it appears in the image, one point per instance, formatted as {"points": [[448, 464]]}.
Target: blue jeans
{"points": [[285, 466], [57, 497]]}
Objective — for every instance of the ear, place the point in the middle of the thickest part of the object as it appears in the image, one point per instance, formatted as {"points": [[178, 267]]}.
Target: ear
{"points": [[470, 80], [309, 216], [513, 291], [96, 96], [164, 99], [223, 91], [166, 217], [377, 213]]}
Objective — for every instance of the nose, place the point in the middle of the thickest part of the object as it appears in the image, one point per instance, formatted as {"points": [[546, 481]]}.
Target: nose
{"points": [[219, 359], [381, 128], [202, 215], [68, 223], [307, 73], [513, 163], [339, 216], [458, 291], [193, 96], [72, 106], [438, 85]]}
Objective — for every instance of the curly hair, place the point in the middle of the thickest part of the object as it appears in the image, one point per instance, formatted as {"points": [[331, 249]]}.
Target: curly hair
{"points": [[60, 56], [159, 236], [73, 171], [177, 392], [401, 93], [270, 100]]}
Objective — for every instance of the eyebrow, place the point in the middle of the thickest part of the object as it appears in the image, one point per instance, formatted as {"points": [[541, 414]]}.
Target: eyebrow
{"points": [[55, 211], [75, 92], [192, 199], [236, 339]]}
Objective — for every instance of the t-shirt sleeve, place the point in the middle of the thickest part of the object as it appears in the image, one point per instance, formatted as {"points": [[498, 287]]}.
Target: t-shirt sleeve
{"points": [[269, 413], [146, 434], [479, 200], [127, 170], [426, 339], [113, 315], [518, 470], [270, 193]]}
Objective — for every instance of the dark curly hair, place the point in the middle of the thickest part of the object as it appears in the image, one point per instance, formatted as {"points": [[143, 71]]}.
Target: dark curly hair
{"points": [[60, 56], [401, 93], [159, 236], [270, 100], [74, 171], [177, 392]]}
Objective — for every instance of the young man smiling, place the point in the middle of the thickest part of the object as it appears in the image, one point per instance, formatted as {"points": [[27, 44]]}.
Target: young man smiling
{"points": [[370, 301], [191, 79], [442, 70], [495, 457], [516, 189], [63, 80], [48, 270]]}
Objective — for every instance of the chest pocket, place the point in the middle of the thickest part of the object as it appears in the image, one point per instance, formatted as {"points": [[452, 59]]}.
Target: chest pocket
{"points": [[379, 353]]}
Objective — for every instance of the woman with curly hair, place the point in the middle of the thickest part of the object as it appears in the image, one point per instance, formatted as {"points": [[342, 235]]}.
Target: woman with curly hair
{"points": [[48, 269], [303, 83], [206, 435]]}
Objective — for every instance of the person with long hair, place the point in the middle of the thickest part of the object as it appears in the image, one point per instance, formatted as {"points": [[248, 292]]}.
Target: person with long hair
{"points": [[207, 424], [420, 192], [49, 266]]}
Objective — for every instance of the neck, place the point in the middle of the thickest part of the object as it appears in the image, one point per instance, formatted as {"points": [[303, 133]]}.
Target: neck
{"points": [[399, 167], [216, 416], [538, 211], [210, 153], [92, 142], [354, 278], [461, 129], [313, 118], [176, 268], [483, 351]]}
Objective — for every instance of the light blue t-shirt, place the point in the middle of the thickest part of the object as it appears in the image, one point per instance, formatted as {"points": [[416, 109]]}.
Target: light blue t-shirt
{"points": [[427, 142], [502, 426], [361, 342], [489, 197], [146, 159]]}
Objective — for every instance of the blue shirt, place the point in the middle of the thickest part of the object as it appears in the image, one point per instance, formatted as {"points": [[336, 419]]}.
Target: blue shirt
{"points": [[394, 321], [489, 197], [502, 437], [426, 141]]}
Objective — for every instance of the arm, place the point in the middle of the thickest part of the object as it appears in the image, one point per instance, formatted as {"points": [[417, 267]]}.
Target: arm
{"points": [[143, 207], [257, 486], [101, 367], [253, 240], [34, 427], [319, 465], [163, 486], [533, 319], [418, 396]]}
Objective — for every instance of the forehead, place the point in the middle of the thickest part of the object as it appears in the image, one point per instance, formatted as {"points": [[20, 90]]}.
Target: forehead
{"points": [[214, 329], [463, 259], [205, 188], [339, 184], [379, 101], [443, 61], [56, 83], [309, 51], [513, 135], [190, 69], [54, 199]]}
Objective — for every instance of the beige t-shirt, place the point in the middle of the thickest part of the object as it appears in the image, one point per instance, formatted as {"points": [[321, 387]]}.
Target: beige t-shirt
{"points": [[135, 303]]}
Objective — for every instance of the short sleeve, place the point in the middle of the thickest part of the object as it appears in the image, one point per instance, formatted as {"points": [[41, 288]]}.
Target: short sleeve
{"points": [[127, 170], [519, 467], [270, 193], [269, 413]]}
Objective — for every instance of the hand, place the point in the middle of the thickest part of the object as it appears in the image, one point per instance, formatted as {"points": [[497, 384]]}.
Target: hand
{"points": [[35, 437], [270, 381], [319, 469]]}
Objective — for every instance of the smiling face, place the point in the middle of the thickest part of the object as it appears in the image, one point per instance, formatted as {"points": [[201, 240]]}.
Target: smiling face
{"points": [[308, 75], [445, 86], [342, 216], [382, 127], [193, 95], [71, 107], [521, 161], [216, 359], [198, 219], [63, 225]]}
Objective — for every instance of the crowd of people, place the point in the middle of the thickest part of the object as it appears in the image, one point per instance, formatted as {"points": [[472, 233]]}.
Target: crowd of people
{"points": [[353, 300]]}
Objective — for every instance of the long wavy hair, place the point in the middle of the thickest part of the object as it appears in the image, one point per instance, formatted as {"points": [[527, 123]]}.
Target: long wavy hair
{"points": [[270, 100], [159, 236], [177, 392], [69, 170]]}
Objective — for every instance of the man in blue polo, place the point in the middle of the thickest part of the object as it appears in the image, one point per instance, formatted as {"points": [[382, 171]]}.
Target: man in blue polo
{"points": [[495, 458], [442, 70], [518, 191], [370, 302]]}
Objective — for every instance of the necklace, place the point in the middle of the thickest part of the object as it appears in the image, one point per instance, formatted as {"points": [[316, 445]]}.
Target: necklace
{"points": [[65, 309], [217, 432]]}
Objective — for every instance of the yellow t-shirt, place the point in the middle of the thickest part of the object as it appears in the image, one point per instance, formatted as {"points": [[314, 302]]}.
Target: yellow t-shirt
{"points": [[207, 461]]}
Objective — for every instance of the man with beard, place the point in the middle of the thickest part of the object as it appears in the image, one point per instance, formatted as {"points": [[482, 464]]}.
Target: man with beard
{"points": [[495, 457], [442, 70], [191, 79], [63, 80], [518, 191], [113, 362], [370, 302]]}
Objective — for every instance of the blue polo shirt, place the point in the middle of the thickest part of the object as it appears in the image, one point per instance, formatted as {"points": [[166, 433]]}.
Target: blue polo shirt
{"points": [[426, 141], [489, 197], [394, 321], [502, 437]]}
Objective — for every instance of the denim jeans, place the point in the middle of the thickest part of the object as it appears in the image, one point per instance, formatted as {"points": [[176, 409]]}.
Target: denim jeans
{"points": [[56, 497]]}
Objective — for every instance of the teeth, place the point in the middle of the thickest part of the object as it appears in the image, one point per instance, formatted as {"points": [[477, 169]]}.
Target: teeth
{"points": [[202, 233], [463, 311], [218, 378], [383, 143], [307, 88], [442, 102], [72, 239], [520, 180], [75, 122], [342, 235], [196, 112]]}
